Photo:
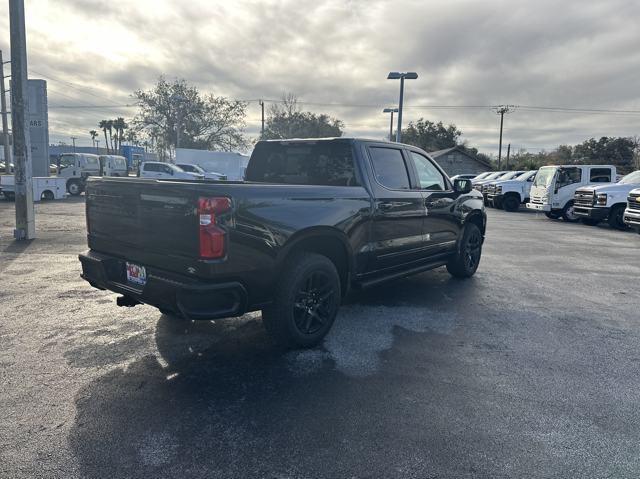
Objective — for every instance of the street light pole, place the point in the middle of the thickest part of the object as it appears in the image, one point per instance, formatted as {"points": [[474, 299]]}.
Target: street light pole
{"points": [[73, 140], [401, 76], [392, 111], [5, 123]]}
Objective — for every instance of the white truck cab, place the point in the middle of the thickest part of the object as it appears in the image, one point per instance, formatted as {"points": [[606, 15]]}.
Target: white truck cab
{"points": [[208, 175], [159, 170], [76, 168], [113, 165], [632, 213], [510, 194], [596, 203], [554, 187]]}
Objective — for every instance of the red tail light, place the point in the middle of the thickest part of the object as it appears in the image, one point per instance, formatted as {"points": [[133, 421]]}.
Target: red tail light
{"points": [[212, 236]]}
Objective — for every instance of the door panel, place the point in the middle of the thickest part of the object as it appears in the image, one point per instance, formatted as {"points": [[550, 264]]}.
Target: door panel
{"points": [[440, 224], [398, 211]]}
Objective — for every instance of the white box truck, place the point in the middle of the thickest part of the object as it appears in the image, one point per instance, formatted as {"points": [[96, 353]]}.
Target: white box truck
{"points": [[553, 189]]}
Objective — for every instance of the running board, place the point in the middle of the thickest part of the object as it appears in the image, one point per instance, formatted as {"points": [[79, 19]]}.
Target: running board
{"points": [[401, 274]]}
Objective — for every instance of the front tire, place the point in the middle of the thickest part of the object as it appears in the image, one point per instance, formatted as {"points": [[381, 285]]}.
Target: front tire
{"points": [[74, 188], [467, 259], [568, 213], [511, 203], [616, 218], [306, 301]]}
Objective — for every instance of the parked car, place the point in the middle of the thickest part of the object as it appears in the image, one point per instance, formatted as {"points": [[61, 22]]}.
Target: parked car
{"points": [[554, 187], [491, 176], [75, 168], [464, 177], [208, 175], [632, 213], [510, 194], [484, 185], [160, 170], [315, 218], [596, 203], [113, 165]]}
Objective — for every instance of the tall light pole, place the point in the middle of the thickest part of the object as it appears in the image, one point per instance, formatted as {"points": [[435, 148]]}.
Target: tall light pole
{"points": [[502, 110], [401, 76], [73, 140], [392, 111]]}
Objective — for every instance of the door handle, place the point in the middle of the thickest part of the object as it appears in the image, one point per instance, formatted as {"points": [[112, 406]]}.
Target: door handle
{"points": [[385, 206]]}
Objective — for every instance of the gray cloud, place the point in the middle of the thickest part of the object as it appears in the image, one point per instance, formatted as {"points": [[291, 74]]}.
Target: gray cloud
{"points": [[544, 53]]}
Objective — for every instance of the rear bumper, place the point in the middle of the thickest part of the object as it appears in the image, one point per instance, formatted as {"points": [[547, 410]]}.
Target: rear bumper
{"points": [[591, 213], [632, 217], [191, 298]]}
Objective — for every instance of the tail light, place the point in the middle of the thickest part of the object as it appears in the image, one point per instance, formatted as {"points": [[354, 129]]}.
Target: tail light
{"points": [[212, 236]]}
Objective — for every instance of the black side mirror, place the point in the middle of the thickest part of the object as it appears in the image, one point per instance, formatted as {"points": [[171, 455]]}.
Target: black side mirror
{"points": [[462, 186]]}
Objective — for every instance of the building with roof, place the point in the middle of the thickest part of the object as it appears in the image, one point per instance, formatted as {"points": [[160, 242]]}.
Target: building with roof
{"points": [[458, 161]]}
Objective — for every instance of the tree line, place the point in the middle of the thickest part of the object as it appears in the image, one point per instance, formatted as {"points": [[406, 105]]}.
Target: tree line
{"points": [[174, 114]]}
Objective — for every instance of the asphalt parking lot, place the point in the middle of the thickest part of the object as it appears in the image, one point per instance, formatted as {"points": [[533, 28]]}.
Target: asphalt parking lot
{"points": [[529, 369]]}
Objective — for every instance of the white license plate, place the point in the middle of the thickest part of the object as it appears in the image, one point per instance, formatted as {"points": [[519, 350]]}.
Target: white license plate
{"points": [[136, 274]]}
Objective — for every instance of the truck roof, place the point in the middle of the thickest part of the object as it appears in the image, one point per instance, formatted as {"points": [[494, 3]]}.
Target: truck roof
{"points": [[315, 140]]}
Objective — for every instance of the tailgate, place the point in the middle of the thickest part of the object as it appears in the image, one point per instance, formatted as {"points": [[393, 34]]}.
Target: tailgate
{"points": [[138, 218]]}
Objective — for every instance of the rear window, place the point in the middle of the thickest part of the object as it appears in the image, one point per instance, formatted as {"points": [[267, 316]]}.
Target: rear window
{"points": [[322, 163]]}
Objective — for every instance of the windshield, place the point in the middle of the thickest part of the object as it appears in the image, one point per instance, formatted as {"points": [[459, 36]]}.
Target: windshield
{"points": [[67, 160], [509, 175], [493, 176], [191, 168], [481, 176], [545, 176], [631, 179], [524, 176]]}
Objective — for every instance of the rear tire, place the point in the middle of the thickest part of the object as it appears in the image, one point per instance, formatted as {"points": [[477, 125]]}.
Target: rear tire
{"points": [[568, 213], [616, 218], [511, 203], [47, 195], [306, 301], [467, 259]]}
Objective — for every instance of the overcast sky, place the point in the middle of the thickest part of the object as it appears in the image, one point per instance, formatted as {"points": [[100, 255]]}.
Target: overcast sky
{"points": [[336, 56]]}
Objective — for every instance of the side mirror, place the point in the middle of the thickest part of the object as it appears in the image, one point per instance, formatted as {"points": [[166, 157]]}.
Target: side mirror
{"points": [[462, 186]]}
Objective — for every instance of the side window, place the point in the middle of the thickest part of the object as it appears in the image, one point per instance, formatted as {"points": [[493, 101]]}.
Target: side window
{"points": [[569, 176], [389, 168], [151, 167], [600, 175], [428, 175], [167, 170]]}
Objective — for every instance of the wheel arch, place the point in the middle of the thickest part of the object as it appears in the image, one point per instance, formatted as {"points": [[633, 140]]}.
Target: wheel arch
{"points": [[327, 241], [478, 219]]}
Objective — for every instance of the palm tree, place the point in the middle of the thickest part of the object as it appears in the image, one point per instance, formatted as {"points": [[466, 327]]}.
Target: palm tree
{"points": [[119, 125], [110, 129], [94, 135], [104, 125]]}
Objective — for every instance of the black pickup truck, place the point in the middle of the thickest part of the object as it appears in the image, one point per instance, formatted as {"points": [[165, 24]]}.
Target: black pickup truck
{"points": [[313, 218]]}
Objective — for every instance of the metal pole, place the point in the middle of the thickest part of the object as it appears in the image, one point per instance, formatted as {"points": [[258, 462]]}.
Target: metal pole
{"points": [[508, 154], [5, 123], [391, 127], [500, 148], [73, 139], [399, 130], [25, 217], [262, 130]]}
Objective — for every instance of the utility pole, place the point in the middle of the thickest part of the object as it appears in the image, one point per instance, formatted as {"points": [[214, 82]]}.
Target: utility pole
{"points": [[508, 153], [5, 123], [97, 147], [25, 216], [73, 139], [501, 110], [262, 106]]}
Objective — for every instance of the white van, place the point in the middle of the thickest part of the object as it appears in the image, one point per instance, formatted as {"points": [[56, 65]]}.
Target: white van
{"points": [[159, 170], [113, 165], [554, 187], [75, 168]]}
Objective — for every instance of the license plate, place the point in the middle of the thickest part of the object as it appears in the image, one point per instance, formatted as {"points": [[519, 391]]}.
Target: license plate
{"points": [[136, 274]]}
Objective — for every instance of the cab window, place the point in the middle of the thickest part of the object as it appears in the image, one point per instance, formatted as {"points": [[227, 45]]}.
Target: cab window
{"points": [[569, 176], [389, 168], [151, 167], [429, 177], [600, 175]]}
